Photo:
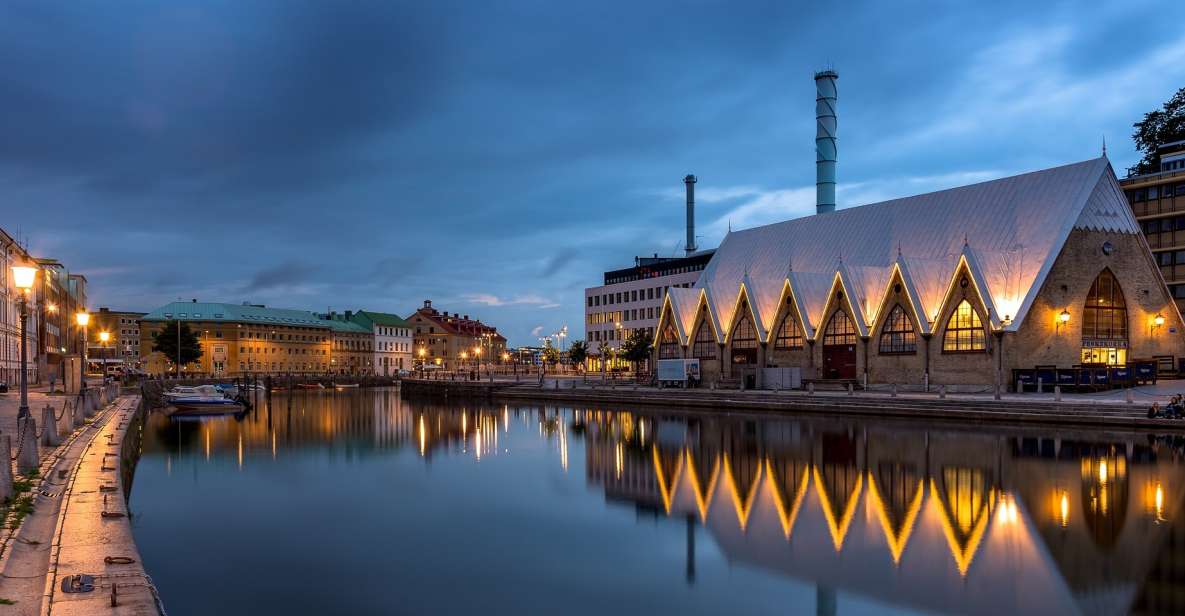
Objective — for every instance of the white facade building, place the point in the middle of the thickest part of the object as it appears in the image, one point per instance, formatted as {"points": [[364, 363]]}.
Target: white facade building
{"points": [[11, 254], [392, 340], [631, 299]]}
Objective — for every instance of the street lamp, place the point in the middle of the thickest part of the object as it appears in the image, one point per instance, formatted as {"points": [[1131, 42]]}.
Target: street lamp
{"points": [[82, 318], [104, 337], [23, 277]]}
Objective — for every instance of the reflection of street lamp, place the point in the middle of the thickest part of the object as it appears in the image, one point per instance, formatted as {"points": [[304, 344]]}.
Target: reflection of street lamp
{"points": [[421, 352], [82, 318], [104, 337], [23, 278]]}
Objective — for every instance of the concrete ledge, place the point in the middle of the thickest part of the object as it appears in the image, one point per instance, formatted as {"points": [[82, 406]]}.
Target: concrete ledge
{"points": [[971, 410], [93, 534]]}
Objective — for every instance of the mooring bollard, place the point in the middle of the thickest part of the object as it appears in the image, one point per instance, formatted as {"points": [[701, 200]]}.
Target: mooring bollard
{"points": [[1040, 385], [942, 391], [997, 392], [49, 433], [850, 389], [894, 394], [78, 416], [810, 388], [1129, 395], [27, 458], [6, 469], [1057, 393]]}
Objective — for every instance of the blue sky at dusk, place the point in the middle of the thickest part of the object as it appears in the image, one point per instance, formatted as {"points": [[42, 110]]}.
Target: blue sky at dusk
{"points": [[497, 159]]}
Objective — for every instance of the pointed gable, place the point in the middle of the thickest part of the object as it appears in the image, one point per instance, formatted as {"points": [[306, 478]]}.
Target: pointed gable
{"points": [[1010, 230]]}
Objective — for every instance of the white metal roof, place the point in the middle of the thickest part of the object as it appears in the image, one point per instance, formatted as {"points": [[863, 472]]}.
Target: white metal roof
{"points": [[1007, 231]]}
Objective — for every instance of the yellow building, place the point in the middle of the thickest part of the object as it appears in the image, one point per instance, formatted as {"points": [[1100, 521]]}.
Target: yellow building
{"points": [[453, 341]]}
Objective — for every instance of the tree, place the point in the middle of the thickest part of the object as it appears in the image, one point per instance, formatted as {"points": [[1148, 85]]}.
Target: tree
{"points": [[636, 348], [577, 353], [603, 349], [550, 354], [165, 342], [1160, 126]]}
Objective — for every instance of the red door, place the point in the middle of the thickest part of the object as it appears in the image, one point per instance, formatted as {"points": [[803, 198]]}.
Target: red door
{"points": [[839, 361]]}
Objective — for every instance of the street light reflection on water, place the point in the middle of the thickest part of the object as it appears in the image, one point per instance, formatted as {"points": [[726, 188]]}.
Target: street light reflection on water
{"points": [[673, 512]]}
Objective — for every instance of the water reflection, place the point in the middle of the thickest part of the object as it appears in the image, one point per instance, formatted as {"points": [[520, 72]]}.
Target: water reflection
{"points": [[927, 518]]}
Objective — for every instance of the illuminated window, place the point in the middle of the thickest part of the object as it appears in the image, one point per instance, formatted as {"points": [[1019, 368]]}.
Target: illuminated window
{"points": [[668, 347], [964, 330], [1105, 315], [705, 342], [789, 334], [840, 330], [744, 336], [897, 336], [1104, 322]]}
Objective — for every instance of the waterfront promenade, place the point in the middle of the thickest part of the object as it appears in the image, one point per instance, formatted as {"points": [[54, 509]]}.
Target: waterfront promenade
{"points": [[1104, 409], [74, 518]]}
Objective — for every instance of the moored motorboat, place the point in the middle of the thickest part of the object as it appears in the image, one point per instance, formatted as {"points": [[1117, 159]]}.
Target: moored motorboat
{"points": [[310, 386], [202, 400], [345, 385]]}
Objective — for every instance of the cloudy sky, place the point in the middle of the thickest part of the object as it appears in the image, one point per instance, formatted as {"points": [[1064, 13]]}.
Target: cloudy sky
{"points": [[498, 160]]}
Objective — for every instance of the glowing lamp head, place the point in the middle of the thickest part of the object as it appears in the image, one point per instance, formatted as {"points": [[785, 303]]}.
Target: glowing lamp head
{"points": [[23, 276], [104, 337], [82, 318], [477, 350], [1158, 320], [1064, 317], [505, 356]]}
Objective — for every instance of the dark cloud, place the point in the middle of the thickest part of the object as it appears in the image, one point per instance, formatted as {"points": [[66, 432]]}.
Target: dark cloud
{"points": [[281, 275], [374, 154]]}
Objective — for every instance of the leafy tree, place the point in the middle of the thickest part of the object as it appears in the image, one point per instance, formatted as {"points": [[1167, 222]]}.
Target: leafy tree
{"points": [[1160, 126], [165, 342], [636, 348], [577, 353], [604, 350], [550, 354]]}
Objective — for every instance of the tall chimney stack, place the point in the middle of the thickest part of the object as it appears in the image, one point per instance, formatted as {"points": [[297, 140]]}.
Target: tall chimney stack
{"points": [[689, 182], [825, 142]]}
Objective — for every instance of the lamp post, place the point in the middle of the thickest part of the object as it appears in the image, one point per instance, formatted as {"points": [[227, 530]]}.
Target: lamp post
{"points": [[104, 337], [23, 277], [83, 319]]}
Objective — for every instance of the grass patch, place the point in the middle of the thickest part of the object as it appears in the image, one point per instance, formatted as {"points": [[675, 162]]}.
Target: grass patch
{"points": [[22, 485], [4, 601], [20, 509]]}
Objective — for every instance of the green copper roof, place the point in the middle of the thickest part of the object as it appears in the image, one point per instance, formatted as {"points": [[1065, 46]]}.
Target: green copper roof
{"points": [[235, 313], [367, 318]]}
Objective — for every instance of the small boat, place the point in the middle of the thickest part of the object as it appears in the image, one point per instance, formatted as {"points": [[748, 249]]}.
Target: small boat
{"points": [[205, 400], [180, 391], [345, 385], [310, 386]]}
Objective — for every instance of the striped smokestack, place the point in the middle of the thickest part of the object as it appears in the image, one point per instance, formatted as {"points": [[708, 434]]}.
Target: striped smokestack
{"points": [[689, 182], [825, 141]]}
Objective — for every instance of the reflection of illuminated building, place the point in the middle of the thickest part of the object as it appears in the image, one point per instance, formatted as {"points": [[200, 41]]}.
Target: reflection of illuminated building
{"points": [[943, 524]]}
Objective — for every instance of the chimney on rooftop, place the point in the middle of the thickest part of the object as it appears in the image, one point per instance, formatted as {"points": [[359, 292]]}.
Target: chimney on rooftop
{"points": [[825, 141], [689, 183]]}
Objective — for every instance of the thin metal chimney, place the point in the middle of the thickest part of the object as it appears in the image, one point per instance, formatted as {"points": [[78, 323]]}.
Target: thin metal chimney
{"points": [[825, 141], [689, 182]]}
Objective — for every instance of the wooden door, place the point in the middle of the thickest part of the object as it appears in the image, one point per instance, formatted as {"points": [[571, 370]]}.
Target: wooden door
{"points": [[839, 361]]}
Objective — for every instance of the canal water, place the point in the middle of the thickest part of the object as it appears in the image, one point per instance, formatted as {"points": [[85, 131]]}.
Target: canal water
{"points": [[364, 503]]}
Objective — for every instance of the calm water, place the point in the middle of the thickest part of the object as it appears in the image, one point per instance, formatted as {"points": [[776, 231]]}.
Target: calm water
{"points": [[363, 503]]}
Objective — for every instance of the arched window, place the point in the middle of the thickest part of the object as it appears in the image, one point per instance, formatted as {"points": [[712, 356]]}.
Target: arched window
{"points": [[743, 342], [964, 330], [705, 343], [668, 346], [789, 334], [744, 336], [840, 330], [1104, 322], [897, 335]]}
